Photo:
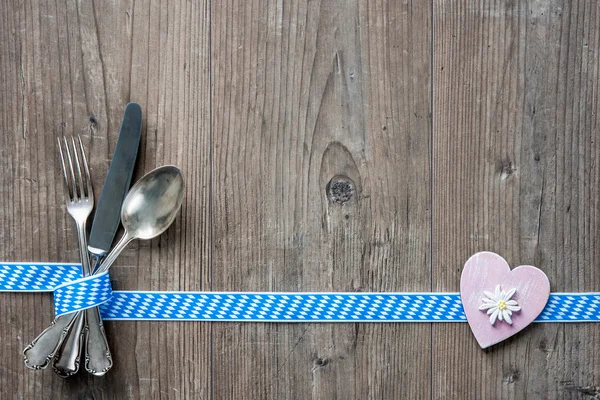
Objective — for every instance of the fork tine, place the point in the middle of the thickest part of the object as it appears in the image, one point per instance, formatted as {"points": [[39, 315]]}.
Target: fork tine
{"points": [[74, 189], [78, 165], [64, 170], [88, 179]]}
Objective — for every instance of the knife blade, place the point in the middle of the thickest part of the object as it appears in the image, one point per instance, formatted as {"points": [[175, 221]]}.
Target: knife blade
{"points": [[108, 212]]}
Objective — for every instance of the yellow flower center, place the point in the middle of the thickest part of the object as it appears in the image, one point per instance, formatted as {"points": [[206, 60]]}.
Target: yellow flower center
{"points": [[502, 305]]}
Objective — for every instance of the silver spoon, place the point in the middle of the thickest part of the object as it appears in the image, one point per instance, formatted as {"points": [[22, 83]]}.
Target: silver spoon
{"points": [[148, 210]]}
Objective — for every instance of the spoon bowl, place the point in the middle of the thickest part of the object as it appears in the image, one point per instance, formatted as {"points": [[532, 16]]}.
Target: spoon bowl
{"points": [[153, 202], [149, 208]]}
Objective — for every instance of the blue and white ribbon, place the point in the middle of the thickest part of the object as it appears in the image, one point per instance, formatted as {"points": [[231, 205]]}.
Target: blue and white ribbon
{"points": [[73, 293], [82, 293], [36, 277]]}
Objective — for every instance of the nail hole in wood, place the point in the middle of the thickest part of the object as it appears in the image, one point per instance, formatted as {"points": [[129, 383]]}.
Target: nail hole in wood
{"points": [[512, 376], [321, 361], [506, 168]]}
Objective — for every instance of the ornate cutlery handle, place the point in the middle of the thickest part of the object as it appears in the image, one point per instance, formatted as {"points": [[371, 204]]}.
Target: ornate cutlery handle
{"points": [[98, 359], [67, 363], [42, 349]]}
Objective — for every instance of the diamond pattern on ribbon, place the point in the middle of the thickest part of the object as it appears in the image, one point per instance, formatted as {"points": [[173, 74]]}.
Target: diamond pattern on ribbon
{"points": [[290, 307], [36, 277], [82, 294], [262, 307], [323, 307], [571, 307]]}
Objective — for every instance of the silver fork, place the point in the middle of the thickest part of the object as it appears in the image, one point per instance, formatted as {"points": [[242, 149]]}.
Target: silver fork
{"points": [[80, 202]]}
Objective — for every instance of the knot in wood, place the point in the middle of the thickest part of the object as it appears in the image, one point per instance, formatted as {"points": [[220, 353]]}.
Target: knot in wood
{"points": [[92, 121], [340, 189]]}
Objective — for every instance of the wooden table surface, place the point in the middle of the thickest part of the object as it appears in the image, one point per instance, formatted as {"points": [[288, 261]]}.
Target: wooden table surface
{"points": [[327, 146]]}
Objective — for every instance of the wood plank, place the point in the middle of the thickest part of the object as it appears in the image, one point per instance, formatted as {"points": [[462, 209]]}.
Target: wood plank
{"points": [[70, 68], [311, 96], [322, 182], [516, 172]]}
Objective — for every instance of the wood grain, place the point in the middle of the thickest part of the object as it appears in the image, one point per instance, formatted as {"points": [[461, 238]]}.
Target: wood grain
{"points": [[70, 68], [327, 145], [515, 171], [321, 182]]}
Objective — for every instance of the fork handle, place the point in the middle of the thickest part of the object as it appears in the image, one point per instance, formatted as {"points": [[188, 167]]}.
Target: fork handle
{"points": [[98, 359], [42, 349], [67, 361]]}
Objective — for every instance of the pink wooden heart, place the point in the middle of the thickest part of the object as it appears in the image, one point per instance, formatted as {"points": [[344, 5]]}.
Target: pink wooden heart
{"points": [[484, 272]]}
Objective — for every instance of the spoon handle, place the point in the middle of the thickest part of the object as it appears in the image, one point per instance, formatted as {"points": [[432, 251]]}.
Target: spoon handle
{"points": [[114, 253], [98, 359]]}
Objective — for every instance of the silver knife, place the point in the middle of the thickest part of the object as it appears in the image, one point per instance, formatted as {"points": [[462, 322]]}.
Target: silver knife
{"points": [[108, 213], [107, 217]]}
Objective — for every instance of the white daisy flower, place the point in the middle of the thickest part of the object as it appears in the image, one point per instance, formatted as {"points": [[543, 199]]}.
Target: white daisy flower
{"points": [[499, 305]]}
